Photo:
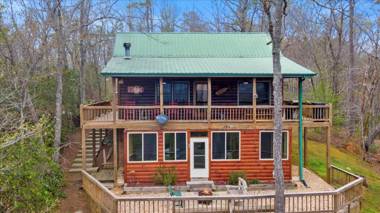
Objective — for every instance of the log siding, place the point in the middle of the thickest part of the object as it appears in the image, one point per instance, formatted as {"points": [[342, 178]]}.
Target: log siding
{"points": [[142, 173]]}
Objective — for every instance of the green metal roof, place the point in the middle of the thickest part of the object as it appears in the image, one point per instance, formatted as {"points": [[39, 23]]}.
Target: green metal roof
{"points": [[198, 54]]}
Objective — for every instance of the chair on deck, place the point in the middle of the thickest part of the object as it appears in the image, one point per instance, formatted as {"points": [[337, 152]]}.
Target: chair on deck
{"points": [[174, 193]]}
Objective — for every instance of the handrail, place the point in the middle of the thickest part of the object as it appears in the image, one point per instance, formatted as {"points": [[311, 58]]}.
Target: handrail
{"points": [[217, 113], [328, 201]]}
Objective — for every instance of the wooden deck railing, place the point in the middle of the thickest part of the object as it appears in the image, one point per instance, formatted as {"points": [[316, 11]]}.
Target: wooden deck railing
{"points": [[327, 201], [315, 113]]}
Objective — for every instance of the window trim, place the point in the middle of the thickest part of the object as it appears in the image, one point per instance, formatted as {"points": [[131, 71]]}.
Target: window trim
{"points": [[225, 145], [175, 146], [142, 148], [287, 145]]}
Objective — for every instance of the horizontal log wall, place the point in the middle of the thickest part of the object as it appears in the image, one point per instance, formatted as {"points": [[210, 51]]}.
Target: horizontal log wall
{"points": [[249, 161], [143, 173]]}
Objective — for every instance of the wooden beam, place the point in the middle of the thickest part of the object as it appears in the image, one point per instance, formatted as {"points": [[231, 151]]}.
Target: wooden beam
{"points": [[328, 160], [254, 96], [161, 95], [115, 156], [209, 99], [83, 141]]}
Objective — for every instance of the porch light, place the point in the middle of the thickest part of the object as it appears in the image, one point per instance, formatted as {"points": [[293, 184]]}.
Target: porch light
{"points": [[121, 81], [245, 82]]}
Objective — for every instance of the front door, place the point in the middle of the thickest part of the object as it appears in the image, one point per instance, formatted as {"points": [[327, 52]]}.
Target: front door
{"points": [[199, 157]]}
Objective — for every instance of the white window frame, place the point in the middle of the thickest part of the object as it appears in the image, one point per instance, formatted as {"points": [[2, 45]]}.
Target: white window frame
{"points": [[225, 146], [142, 148], [175, 146], [287, 145]]}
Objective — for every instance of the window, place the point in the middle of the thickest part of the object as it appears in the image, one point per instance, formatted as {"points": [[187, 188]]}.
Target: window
{"points": [[175, 146], [266, 145], [175, 92], [201, 93], [142, 146], [263, 91], [244, 93], [225, 145]]}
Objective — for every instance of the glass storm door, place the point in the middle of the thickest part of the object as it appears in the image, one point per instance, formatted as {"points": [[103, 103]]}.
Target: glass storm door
{"points": [[199, 157]]}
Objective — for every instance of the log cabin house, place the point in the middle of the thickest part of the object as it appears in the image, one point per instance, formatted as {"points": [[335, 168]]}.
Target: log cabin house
{"points": [[199, 102]]}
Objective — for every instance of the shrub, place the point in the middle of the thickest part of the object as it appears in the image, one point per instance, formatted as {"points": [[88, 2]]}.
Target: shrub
{"points": [[234, 175], [254, 181], [165, 176], [30, 181]]}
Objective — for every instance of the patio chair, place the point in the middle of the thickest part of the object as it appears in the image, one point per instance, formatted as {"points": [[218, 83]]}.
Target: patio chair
{"points": [[174, 193]]}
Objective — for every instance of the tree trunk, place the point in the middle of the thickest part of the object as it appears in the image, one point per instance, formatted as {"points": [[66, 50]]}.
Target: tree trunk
{"points": [[275, 16], [350, 110], [59, 76], [84, 8]]}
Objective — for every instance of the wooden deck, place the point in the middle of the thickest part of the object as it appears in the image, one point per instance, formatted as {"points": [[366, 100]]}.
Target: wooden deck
{"points": [[200, 117], [345, 198]]}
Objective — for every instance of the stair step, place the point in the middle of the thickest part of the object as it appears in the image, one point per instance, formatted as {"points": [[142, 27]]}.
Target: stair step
{"points": [[79, 165], [91, 169], [79, 160]]}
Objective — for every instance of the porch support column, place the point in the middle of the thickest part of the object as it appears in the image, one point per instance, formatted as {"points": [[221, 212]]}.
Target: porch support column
{"points": [[300, 138], [305, 146], [114, 98], [328, 160], [254, 99], [83, 141], [161, 96], [115, 158], [94, 147], [209, 100]]}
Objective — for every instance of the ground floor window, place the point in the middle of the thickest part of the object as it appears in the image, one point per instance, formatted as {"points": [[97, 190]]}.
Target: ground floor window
{"points": [[266, 145], [225, 145], [175, 146], [142, 147]]}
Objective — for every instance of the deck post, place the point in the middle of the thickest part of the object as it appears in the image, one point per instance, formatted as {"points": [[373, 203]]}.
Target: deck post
{"points": [[83, 141], [209, 99], [161, 96], [114, 98], [254, 96], [305, 146], [300, 129], [93, 147], [115, 154], [328, 160]]}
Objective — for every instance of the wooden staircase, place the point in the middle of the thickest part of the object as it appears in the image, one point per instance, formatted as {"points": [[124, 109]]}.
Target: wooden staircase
{"points": [[76, 166]]}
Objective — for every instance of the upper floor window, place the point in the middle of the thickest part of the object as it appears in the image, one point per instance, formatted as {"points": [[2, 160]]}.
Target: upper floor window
{"points": [[266, 145], [263, 91], [142, 147], [225, 145], [175, 145], [175, 92], [201, 93], [245, 93]]}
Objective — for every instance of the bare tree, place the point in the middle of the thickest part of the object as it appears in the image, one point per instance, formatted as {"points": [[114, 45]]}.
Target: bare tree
{"points": [[168, 19], [192, 22], [350, 83], [275, 11], [83, 28], [59, 76]]}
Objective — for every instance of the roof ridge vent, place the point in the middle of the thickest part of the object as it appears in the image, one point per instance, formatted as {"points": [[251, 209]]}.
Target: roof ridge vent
{"points": [[127, 50]]}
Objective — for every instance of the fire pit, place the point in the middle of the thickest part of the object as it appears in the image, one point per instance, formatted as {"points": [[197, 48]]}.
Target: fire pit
{"points": [[205, 192]]}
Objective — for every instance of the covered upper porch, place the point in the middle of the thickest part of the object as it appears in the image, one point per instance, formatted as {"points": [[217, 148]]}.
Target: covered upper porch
{"points": [[202, 100]]}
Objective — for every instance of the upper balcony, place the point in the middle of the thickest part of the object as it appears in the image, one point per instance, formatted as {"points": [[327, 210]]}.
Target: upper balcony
{"points": [[198, 100]]}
